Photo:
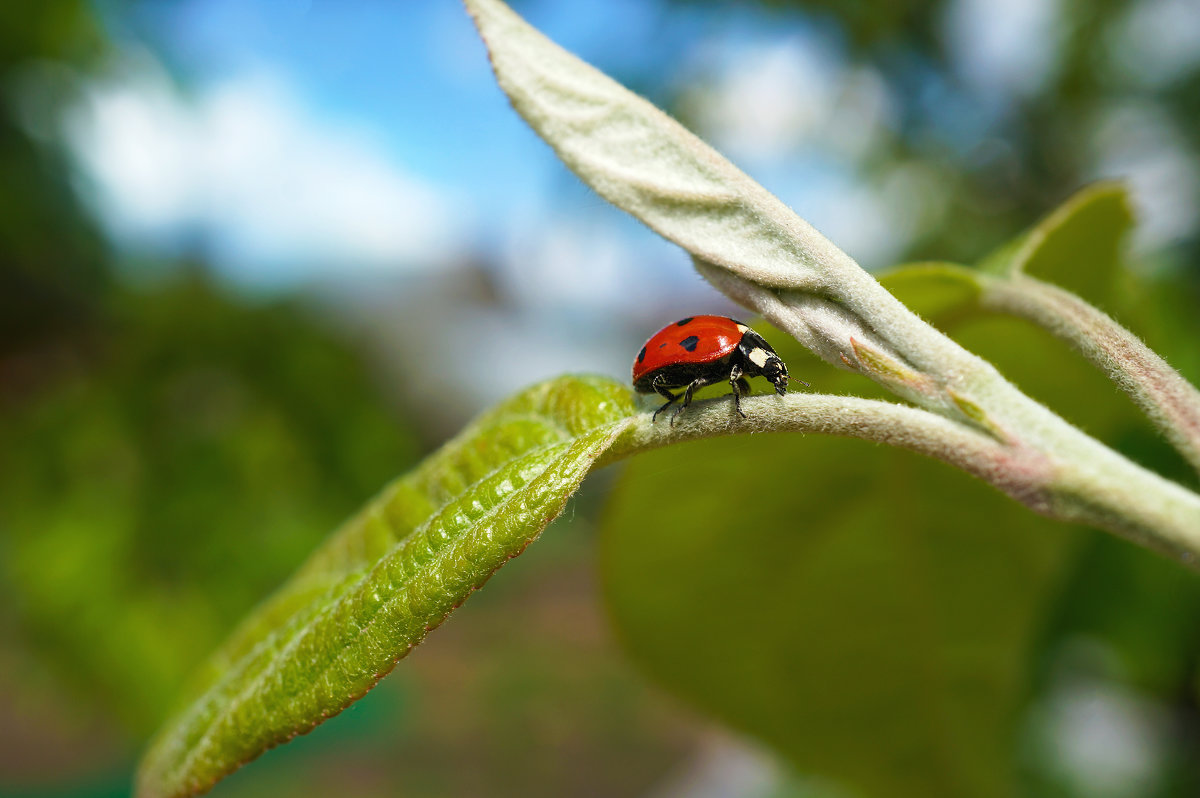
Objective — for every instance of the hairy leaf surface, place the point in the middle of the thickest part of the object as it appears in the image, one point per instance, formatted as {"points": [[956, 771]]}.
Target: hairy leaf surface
{"points": [[386, 578]]}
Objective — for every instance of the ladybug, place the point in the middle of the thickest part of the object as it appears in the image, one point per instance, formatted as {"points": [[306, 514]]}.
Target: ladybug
{"points": [[704, 350]]}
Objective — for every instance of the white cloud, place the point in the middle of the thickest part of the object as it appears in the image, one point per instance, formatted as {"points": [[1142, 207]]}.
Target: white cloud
{"points": [[1157, 41], [1137, 142], [1006, 49], [794, 112], [1107, 740], [268, 186], [872, 219], [769, 97]]}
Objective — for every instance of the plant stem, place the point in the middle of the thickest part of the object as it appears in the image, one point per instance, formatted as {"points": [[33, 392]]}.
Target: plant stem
{"points": [[1081, 481], [1170, 401]]}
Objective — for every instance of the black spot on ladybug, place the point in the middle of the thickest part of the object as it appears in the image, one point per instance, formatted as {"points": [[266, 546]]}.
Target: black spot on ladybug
{"points": [[642, 355], [689, 343], [682, 322], [663, 345]]}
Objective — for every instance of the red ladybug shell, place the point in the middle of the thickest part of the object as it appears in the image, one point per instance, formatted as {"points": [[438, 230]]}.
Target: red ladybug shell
{"points": [[696, 339]]}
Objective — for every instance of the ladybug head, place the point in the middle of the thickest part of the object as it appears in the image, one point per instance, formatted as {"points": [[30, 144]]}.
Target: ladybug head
{"points": [[776, 371]]}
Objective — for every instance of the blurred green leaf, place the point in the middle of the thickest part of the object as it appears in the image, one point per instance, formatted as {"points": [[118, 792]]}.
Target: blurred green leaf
{"points": [[1078, 246], [944, 292], [387, 577], [161, 478]]}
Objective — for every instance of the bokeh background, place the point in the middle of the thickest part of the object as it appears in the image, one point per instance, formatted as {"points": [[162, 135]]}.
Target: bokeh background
{"points": [[258, 256]]}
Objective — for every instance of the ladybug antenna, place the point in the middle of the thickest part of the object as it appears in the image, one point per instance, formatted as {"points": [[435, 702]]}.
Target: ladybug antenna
{"points": [[789, 378]]}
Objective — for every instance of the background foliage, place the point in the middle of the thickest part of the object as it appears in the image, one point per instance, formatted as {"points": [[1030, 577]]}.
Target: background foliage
{"points": [[171, 448]]}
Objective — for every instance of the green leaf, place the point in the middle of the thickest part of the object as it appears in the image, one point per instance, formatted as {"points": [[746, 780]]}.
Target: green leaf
{"points": [[944, 292], [1078, 246], [386, 578], [864, 611], [868, 613]]}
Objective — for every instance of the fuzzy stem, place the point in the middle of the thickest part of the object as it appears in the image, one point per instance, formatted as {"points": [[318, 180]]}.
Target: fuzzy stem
{"points": [[1103, 489], [1170, 401]]}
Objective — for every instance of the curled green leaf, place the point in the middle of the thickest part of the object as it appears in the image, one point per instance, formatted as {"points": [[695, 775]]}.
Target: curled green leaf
{"points": [[386, 578]]}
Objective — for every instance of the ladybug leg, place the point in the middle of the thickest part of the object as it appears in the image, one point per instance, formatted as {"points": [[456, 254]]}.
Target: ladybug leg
{"points": [[661, 391], [740, 387], [699, 382], [668, 403]]}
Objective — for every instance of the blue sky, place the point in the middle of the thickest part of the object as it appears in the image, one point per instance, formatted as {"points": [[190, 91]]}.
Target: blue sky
{"points": [[410, 82], [415, 72], [376, 114], [406, 84], [416, 68], [364, 143]]}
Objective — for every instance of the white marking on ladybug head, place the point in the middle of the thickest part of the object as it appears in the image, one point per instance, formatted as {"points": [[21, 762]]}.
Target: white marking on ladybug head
{"points": [[742, 328], [759, 356]]}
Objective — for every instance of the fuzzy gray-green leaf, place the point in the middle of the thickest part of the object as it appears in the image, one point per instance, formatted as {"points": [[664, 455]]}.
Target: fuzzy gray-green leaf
{"points": [[385, 578]]}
